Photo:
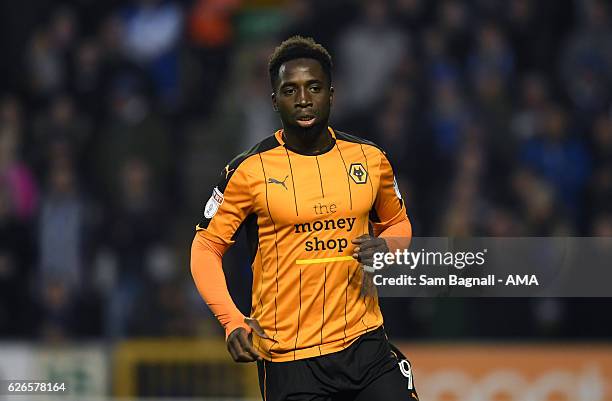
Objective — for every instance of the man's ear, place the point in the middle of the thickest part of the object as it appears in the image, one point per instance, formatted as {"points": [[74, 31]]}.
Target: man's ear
{"points": [[274, 104], [331, 95]]}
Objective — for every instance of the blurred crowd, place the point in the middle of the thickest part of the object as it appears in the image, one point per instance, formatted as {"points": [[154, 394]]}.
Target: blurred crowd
{"points": [[116, 118]]}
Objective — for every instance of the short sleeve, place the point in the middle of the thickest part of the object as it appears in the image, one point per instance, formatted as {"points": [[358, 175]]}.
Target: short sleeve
{"points": [[228, 206], [389, 208]]}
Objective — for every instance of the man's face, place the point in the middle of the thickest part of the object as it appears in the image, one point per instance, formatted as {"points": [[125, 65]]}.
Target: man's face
{"points": [[302, 95]]}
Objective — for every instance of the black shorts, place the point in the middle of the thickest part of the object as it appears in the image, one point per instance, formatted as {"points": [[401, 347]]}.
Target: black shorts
{"points": [[369, 369]]}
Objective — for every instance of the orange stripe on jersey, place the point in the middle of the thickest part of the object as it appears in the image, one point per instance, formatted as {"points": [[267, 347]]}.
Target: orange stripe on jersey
{"points": [[301, 213]]}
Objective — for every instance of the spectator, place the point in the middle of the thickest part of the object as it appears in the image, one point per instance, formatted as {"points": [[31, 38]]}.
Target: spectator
{"points": [[61, 132], [561, 160], [88, 73], [46, 68], [152, 32], [602, 139], [133, 232], [57, 310], [586, 65], [492, 53], [169, 300], [536, 203], [411, 15], [16, 258], [533, 98], [454, 25], [134, 130], [65, 225], [369, 52], [15, 175], [211, 35], [450, 114]]}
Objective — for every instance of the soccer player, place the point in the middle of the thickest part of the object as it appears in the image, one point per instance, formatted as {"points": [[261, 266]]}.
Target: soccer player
{"points": [[306, 196]]}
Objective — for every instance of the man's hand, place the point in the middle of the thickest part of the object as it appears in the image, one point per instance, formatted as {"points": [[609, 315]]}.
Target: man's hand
{"points": [[364, 252], [366, 247], [240, 343]]}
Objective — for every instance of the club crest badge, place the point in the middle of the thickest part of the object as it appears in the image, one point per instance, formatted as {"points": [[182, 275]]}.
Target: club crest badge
{"points": [[216, 199], [358, 173]]}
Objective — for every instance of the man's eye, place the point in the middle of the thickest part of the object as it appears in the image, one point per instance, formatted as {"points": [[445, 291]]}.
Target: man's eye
{"points": [[289, 91], [315, 89]]}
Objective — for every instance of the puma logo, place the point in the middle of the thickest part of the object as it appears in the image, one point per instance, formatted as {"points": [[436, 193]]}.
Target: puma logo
{"points": [[227, 171], [275, 181]]}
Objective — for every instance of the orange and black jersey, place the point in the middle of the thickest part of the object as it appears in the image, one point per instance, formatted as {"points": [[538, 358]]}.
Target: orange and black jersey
{"points": [[301, 213]]}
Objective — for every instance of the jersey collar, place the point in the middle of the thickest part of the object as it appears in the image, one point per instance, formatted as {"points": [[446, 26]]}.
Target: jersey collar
{"points": [[279, 137]]}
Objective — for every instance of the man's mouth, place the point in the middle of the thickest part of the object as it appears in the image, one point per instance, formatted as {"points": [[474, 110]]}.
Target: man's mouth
{"points": [[306, 121]]}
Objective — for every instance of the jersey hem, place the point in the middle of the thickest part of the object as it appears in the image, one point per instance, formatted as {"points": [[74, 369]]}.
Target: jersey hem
{"points": [[316, 350]]}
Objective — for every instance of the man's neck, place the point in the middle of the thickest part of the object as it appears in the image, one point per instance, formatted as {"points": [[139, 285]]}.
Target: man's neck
{"points": [[310, 141]]}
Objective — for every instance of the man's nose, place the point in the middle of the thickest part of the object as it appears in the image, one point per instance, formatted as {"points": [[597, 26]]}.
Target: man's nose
{"points": [[303, 98]]}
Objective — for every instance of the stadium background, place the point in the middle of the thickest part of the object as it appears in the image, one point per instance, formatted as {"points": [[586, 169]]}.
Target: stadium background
{"points": [[117, 116]]}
